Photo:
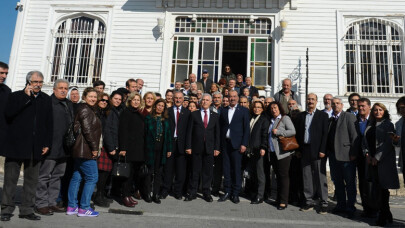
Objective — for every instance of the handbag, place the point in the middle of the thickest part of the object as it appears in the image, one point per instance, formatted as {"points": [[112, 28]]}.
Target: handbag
{"points": [[287, 143], [69, 138], [121, 169]]}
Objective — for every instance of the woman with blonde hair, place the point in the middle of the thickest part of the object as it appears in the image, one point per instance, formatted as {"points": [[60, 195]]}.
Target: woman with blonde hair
{"points": [[149, 98]]}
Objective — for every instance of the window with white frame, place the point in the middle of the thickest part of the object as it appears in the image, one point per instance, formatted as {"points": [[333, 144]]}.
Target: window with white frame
{"points": [[78, 50], [374, 62]]}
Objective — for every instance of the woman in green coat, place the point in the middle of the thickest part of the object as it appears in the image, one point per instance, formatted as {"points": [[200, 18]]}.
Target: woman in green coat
{"points": [[158, 146]]}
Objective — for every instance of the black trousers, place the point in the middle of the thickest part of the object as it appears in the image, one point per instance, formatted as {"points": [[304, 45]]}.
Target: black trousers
{"points": [[217, 178], [128, 183], [281, 168], [177, 165], [361, 173], [12, 169], [296, 181], [153, 180], [202, 164]]}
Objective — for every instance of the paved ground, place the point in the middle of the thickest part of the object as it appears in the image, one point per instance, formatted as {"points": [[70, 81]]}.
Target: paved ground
{"points": [[198, 213]]}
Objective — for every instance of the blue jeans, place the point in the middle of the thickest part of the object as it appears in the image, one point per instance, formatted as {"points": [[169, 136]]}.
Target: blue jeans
{"points": [[86, 169], [344, 177]]}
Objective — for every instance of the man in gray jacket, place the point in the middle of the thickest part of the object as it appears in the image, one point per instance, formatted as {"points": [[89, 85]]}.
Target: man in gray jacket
{"points": [[54, 163], [342, 150]]}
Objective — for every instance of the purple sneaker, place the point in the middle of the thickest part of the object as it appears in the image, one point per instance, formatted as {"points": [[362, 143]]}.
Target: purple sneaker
{"points": [[87, 213], [72, 210]]}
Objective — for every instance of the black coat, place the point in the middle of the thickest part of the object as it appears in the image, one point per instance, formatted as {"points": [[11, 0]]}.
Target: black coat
{"points": [[252, 90], [259, 136], [199, 137], [4, 94], [208, 84], [131, 134], [181, 127], [318, 133], [110, 129], [30, 125], [62, 117]]}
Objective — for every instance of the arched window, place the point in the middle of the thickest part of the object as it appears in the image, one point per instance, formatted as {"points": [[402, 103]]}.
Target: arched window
{"points": [[78, 50], [374, 57]]}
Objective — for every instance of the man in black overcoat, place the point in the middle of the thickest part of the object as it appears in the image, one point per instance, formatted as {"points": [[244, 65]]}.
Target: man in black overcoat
{"points": [[4, 93], [29, 137]]}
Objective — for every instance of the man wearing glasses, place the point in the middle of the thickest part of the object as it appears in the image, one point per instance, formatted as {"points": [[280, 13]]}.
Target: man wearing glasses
{"points": [[327, 102], [29, 137], [353, 99]]}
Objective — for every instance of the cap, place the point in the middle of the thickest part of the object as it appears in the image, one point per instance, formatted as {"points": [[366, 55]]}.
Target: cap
{"points": [[205, 71]]}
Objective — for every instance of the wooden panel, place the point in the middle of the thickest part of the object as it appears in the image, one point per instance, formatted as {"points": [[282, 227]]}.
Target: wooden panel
{"points": [[219, 4], [159, 3], [269, 4], [207, 3], [231, 3], [183, 3], [243, 4], [195, 3], [170, 3], [256, 4], [293, 4]]}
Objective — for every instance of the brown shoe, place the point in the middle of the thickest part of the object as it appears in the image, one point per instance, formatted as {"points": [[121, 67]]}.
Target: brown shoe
{"points": [[132, 200], [137, 195], [57, 209], [44, 211], [127, 202]]}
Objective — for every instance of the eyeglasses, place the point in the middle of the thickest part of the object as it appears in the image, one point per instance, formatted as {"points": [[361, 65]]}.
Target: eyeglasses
{"points": [[103, 100]]}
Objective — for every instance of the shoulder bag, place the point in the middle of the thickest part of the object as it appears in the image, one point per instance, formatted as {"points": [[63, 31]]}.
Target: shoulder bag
{"points": [[287, 143]]}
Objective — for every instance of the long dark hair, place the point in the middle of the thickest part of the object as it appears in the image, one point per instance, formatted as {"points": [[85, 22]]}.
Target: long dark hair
{"points": [[268, 110], [165, 114], [253, 106]]}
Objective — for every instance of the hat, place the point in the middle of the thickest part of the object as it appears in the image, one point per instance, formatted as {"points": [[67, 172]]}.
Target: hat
{"points": [[205, 71]]}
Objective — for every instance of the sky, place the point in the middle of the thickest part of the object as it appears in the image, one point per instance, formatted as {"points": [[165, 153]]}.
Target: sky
{"points": [[8, 17]]}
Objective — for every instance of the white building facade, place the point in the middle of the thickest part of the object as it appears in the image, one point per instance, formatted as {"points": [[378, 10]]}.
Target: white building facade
{"points": [[353, 46]]}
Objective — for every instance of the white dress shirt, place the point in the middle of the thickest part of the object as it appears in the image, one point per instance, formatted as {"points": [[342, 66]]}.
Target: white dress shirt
{"points": [[231, 111], [203, 114]]}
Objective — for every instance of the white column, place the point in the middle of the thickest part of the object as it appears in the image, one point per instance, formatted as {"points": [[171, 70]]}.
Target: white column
{"points": [[267, 89]]}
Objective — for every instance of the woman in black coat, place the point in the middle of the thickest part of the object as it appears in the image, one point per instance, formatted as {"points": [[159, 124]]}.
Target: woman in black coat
{"points": [[131, 143], [259, 125], [110, 141]]}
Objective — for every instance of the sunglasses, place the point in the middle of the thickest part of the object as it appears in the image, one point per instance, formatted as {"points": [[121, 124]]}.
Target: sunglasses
{"points": [[103, 100]]}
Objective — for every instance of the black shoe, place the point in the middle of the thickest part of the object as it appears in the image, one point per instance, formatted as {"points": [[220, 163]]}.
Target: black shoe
{"points": [[338, 210], [215, 193], [189, 197], [147, 198], [256, 201], [323, 210], [31, 216], [307, 207], [366, 214], [163, 195], [224, 197], [99, 201], [207, 198], [6, 217], [235, 199], [178, 196], [280, 208], [156, 199]]}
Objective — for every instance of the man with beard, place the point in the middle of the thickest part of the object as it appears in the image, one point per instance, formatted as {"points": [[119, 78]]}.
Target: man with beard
{"points": [[327, 102]]}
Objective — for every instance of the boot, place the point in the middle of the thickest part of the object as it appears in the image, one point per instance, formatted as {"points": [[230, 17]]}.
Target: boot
{"points": [[99, 200], [156, 199]]}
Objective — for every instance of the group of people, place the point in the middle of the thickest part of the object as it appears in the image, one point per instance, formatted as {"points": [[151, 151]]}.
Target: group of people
{"points": [[200, 133]]}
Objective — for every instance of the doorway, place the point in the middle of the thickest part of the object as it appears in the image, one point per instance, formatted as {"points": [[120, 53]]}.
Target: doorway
{"points": [[235, 54]]}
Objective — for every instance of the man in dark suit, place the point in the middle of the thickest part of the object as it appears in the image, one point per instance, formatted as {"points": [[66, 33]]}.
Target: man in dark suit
{"points": [[342, 148], [4, 93], [312, 133], [203, 144], [205, 81], [178, 120], [252, 89], [364, 109], [235, 132], [29, 117]]}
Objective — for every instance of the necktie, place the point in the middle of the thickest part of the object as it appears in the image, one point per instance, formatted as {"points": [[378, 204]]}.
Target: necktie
{"points": [[205, 119], [177, 118]]}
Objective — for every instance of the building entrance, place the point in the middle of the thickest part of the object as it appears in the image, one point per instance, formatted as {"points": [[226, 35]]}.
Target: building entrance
{"points": [[235, 53]]}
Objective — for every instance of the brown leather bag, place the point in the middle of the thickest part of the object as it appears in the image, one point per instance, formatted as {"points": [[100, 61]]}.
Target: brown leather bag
{"points": [[287, 143]]}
